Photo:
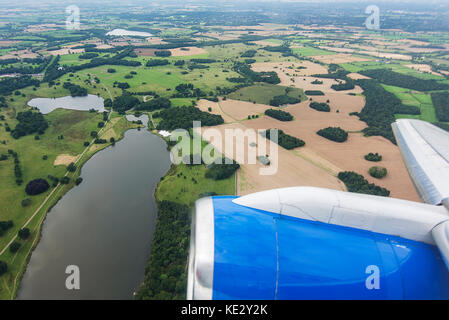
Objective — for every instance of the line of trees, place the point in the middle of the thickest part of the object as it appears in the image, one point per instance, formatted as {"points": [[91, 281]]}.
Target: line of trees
{"points": [[440, 102]]}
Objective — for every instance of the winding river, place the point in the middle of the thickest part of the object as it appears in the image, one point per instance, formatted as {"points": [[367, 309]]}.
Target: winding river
{"points": [[104, 226]]}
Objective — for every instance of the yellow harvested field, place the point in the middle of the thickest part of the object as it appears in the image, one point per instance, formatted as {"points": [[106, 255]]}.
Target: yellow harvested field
{"points": [[423, 68], [64, 160], [387, 55], [291, 76], [339, 58], [292, 170], [318, 163], [357, 76], [65, 51], [232, 110]]}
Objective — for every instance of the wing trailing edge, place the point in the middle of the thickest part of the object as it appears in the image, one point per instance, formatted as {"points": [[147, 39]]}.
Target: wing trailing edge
{"points": [[425, 149]]}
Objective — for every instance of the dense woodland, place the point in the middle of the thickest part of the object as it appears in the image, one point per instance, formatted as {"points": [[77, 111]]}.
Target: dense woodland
{"points": [[392, 78], [10, 84], [165, 273], [379, 109]]}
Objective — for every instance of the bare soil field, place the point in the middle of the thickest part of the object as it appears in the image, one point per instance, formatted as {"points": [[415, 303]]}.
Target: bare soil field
{"points": [[387, 55], [155, 40], [145, 52], [21, 54], [232, 110], [282, 68], [187, 51], [7, 43]]}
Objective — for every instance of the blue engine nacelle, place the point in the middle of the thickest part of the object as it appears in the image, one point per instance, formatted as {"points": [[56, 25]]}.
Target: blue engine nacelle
{"points": [[239, 252]]}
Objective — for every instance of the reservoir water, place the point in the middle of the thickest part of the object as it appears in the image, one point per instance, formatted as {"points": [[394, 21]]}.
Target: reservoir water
{"points": [[124, 32], [104, 226], [47, 105]]}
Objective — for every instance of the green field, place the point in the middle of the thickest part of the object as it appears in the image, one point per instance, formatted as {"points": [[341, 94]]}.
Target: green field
{"points": [[310, 51], [413, 98], [262, 93]]}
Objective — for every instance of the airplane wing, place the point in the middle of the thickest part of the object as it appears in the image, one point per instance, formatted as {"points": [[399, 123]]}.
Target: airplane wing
{"points": [[425, 149]]}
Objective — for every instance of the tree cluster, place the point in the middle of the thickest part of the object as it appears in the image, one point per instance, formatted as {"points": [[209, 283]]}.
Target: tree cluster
{"points": [[36, 187], [374, 157], [377, 172], [75, 90], [29, 123], [222, 171], [279, 115], [284, 140], [358, 184], [284, 99], [336, 134], [320, 106], [183, 117]]}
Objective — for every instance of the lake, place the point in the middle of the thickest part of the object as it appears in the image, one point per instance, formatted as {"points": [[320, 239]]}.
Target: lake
{"points": [[123, 32], [47, 105], [104, 226]]}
